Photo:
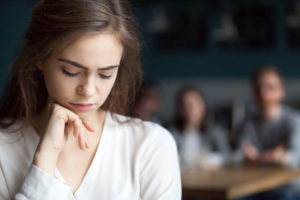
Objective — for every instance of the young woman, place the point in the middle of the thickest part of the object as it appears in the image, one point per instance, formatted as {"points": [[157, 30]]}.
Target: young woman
{"points": [[200, 143], [63, 131]]}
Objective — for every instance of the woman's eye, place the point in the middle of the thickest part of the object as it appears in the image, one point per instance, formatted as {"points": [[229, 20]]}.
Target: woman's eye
{"points": [[104, 76], [69, 73]]}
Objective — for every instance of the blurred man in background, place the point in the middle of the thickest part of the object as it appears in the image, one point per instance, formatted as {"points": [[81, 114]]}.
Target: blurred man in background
{"points": [[271, 134]]}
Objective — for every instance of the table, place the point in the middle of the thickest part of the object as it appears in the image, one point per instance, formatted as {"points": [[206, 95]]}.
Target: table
{"points": [[232, 183]]}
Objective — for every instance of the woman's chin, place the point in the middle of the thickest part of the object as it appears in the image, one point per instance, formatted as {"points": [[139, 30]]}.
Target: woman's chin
{"points": [[84, 114]]}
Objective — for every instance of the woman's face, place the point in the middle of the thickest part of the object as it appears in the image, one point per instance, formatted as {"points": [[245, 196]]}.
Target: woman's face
{"points": [[192, 108], [82, 76]]}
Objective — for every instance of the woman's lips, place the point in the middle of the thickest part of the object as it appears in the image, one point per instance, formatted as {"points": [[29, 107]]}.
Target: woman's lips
{"points": [[82, 107]]}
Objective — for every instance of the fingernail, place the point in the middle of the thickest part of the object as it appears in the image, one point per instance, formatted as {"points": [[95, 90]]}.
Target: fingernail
{"points": [[92, 129]]}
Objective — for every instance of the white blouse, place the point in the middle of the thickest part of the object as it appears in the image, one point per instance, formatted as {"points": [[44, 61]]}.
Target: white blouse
{"points": [[134, 160]]}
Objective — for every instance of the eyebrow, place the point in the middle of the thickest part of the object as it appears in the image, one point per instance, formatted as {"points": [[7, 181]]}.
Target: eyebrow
{"points": [[76, 64]]}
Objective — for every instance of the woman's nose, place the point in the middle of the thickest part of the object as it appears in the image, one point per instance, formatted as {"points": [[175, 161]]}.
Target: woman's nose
{"points": [[88, 87]]}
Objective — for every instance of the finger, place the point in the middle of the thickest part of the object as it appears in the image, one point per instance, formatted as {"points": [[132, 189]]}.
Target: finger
{"points": [[76, 122], [87, 144], [73, 128], [83, 134], [80, 143], [81, 140], [76, 128], [71, 116], [87, 125], [84, 137], [79, 132]]}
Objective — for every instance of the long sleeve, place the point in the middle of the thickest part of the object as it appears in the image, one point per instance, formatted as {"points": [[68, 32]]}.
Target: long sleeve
{"points": [[160, 174], [40, 185]]}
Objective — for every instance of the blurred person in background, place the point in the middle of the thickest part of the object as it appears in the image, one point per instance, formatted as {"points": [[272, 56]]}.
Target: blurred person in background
{"points": [[271, 134], [200, 143], [148, 102]]}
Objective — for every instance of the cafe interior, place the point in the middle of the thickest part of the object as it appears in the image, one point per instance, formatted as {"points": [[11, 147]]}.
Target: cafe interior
{"points": [[223, 77]]}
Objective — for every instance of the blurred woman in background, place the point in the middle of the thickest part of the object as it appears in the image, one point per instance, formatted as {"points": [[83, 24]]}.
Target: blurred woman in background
{"points": [[199, 142]]}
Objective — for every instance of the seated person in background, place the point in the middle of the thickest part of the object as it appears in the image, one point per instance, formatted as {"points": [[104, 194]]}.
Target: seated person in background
{"points": [[272, 133], [148, 102], [200, 145]]}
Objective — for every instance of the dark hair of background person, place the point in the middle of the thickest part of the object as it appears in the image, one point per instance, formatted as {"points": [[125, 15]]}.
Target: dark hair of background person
{"points": [[180, 121], [54, 25], [146, 86], [264, 70]]}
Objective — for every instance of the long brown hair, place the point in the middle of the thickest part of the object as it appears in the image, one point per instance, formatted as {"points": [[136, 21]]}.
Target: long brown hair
{"points": [[54, 25]]}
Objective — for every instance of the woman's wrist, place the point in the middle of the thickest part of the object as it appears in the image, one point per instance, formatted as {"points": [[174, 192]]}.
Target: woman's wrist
{"points": [[46, 159]]}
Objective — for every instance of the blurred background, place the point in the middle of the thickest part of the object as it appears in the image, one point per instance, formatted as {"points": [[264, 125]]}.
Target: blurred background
{"points": [[213, 46], [217, 44]]}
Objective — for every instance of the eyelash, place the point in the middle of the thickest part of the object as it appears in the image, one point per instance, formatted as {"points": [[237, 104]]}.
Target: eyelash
{"points": [[104, 76], [69, 74], [75, 74]]}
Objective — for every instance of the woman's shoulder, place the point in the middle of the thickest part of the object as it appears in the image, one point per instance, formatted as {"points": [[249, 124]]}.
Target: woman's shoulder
{"points": [[11, 134], [17, 136], [14, 145]]}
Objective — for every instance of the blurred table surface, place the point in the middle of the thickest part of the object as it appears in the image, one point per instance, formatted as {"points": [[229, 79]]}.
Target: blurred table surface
{"points": [[232, 183]]}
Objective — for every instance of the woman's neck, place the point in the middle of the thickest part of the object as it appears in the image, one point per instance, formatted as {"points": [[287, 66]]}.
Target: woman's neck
{"points": [[193, 127]]}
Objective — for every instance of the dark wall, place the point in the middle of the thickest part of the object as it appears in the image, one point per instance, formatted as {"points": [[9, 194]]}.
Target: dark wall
{"points": [[195, 53], [266, 38], [14, 18]]}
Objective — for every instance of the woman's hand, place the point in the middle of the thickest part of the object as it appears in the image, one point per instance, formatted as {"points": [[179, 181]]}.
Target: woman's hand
{"points": [[62, 122]]}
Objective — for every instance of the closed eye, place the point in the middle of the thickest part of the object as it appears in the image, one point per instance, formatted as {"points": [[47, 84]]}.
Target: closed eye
{"points": [[104, 76], [69, 73]]}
